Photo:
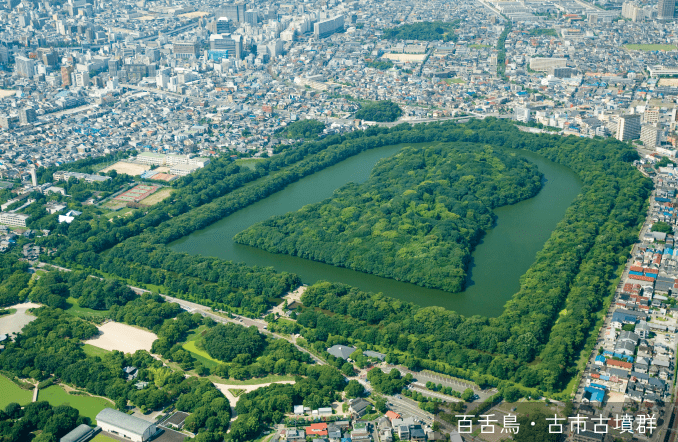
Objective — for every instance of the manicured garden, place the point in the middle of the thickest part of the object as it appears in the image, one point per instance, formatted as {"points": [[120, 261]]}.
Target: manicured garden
{"points": [[11, 392], [87, 405]]}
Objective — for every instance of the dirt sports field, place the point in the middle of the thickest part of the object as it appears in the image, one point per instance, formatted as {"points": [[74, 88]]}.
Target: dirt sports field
{"points": [[157, 197], [131, 169], [122, 337], [137, 193]]}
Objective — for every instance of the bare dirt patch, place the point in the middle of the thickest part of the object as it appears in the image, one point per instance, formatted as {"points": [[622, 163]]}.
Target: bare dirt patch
{"points": [[127, 168], [10, 324], [122, 337]]}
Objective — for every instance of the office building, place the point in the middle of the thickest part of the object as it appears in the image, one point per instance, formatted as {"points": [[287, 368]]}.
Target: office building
{"points": [[232, 12], [223, 25], [27, 115], [628, 127], [186, 49], [651, 136], [328, 27], [24, 66], [226, 46], [665, 9], [523, 114], [251, 17]]}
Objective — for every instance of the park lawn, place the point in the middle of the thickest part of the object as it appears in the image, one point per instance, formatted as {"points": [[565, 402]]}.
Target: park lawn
{"points": [[76, 310], [477, 46], [91, 350], [11, 392], [653, 47], [454, 81], [201, 355], [87, 405]]}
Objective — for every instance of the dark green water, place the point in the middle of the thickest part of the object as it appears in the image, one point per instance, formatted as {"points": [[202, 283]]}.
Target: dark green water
{"points": [[507, 251]]}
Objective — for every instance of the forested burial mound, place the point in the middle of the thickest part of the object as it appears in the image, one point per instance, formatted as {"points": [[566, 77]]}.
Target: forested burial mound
{"points": [[416, 219]]}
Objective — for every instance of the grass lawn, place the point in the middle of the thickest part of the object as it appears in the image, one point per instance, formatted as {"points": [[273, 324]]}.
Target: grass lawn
{"points": [[236, 391], [255, 381], [76, 310], [201, 355], [118, 213], [11, 392], [655, 47], [250, 163], [454, 81], [157, 196], [476, 46], [102, 438], [7, 311], [91, 350], [86, 405]]}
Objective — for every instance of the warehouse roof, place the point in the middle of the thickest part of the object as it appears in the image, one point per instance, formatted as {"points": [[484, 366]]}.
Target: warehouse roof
{"points": [[123, 421]]}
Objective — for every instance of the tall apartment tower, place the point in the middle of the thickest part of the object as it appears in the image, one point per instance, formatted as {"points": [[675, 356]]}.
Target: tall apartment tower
{"points": [[27, 115], [628, 127], [665, 9], [24, 66]]}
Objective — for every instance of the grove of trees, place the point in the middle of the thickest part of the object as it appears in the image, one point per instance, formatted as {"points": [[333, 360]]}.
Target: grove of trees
{"points": [[380, 111]]}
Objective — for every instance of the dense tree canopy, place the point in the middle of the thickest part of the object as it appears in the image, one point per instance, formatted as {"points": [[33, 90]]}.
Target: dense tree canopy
{"points": [[380, 111], [416, 219], [427, 31], [303, 129], [226, 341]]}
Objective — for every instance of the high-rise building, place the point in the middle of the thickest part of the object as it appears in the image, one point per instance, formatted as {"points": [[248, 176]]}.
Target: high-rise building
{"points": [[24, 66], [328, 27], [232, 12], [251, 17], [665, 9], [628, 127], [227, 46], [523, 114], [66, 72], [80, 79], [223, 25], [4, 54], [651, 136], [27, 115]]}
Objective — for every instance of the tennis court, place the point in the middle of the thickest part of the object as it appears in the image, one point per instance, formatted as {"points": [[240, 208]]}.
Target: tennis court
{"points": [[137, 193]]}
